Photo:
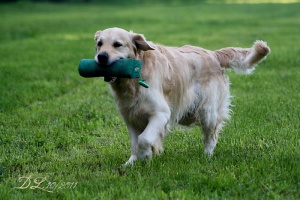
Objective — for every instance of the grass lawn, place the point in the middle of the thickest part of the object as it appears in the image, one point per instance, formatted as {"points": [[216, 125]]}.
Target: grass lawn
{"points": [[62, 137]]}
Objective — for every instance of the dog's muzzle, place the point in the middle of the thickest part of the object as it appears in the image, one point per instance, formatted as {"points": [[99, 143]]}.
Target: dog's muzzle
{"points": [[103, 58]]}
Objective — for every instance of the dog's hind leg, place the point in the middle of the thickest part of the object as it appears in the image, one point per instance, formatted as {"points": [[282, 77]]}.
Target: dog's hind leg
{"points": [[210, 128], [213, 113], [210, 137]]}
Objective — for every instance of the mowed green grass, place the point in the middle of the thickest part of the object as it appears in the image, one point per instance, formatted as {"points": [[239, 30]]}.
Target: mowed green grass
{"points": [[63, 135]]}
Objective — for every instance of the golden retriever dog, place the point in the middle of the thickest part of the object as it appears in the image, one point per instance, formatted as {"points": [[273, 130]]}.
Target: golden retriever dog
{"points": [[187, 85]]}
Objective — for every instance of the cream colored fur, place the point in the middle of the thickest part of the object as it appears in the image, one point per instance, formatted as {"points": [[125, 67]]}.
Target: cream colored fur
{"points": [[187, 85]]}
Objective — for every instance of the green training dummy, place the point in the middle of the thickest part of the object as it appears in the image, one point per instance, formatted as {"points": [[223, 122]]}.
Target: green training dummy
{"points": [[123, 68]]}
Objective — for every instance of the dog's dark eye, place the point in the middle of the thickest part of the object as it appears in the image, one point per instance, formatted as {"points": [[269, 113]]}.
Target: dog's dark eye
{"points": [[117, 44], [99, 44]]}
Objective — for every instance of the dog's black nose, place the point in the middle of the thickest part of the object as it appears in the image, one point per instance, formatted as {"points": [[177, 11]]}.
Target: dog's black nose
{"points": [[103, 58]]}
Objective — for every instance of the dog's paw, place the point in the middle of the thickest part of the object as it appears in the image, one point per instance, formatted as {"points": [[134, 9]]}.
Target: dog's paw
{"points": [[145, 154], [157, 148], [131, 160], [209, 150], [144, 149]]}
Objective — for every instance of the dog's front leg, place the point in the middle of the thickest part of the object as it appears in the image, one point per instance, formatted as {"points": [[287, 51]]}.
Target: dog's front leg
{"points": [[134, 144], [151, 140]]}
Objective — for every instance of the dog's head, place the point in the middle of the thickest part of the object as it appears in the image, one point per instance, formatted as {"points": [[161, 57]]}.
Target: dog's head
{"points": [[115, 43]]}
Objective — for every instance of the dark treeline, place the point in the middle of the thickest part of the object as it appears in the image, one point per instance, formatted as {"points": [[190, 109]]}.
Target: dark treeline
{"points": [[55, 1], [104, 1]]}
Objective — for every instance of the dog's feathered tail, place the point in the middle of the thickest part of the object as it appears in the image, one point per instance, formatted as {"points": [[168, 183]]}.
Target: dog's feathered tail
{"points": [[243, 60]]}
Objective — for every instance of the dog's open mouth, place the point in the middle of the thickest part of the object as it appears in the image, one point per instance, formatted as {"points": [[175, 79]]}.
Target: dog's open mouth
{"points": [[110, 79]]}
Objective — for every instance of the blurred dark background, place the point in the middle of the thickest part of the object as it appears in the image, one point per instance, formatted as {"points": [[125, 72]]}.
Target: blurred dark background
{"points": [[105, 1]]}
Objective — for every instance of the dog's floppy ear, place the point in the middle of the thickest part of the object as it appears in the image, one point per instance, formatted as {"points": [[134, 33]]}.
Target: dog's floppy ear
{"points": [[140, 42], [97, 34]]}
